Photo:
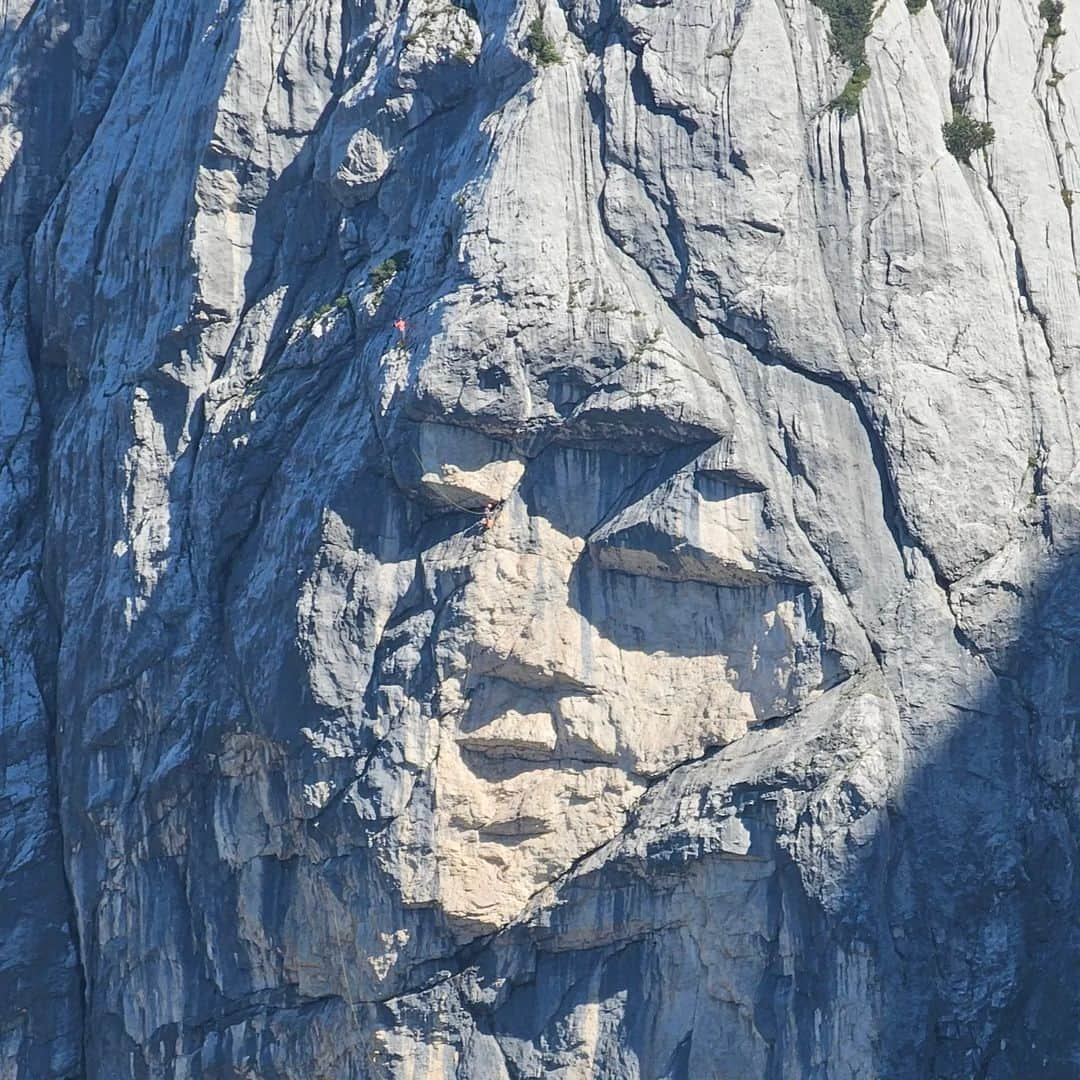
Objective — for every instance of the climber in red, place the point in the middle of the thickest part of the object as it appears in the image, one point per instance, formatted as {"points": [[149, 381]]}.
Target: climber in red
{"points": [[400, 326]]}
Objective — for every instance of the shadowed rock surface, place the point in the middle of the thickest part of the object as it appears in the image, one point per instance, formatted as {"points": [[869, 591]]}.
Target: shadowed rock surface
{"points": [[538, 542]]}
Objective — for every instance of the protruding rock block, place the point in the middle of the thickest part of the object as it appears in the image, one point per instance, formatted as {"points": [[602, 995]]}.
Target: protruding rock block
{"points": [[465, 469]]}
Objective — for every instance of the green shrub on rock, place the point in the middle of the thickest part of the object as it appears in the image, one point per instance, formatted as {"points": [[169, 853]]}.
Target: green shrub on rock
{"points": [[964, 135], [541, 45]]}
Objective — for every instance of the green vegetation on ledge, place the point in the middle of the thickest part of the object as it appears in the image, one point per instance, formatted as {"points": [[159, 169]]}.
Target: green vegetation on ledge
{"points": [[1050, 11], [384, 273], [847, 101], [849, 24], [540, 44]]}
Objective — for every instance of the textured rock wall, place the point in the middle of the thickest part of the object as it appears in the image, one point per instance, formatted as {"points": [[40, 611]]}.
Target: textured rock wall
{"points": [[655, 659]]}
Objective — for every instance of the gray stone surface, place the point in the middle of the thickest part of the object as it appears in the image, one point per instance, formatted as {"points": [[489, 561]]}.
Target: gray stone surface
{"points": [[653, 662]]}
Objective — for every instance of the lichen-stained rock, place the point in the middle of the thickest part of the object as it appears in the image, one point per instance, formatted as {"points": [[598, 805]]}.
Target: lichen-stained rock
{"points": [[537, 540]]}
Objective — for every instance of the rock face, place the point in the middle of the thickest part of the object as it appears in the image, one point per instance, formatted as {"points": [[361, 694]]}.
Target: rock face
{"points": [[533, 545]]}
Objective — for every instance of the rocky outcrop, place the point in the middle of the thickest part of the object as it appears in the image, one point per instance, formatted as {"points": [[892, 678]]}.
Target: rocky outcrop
{"points": [[538, 542]]}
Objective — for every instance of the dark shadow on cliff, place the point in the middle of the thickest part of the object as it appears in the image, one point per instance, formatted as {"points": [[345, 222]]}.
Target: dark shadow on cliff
{"points": [[54, 105], [979, 971], [949, 915]]}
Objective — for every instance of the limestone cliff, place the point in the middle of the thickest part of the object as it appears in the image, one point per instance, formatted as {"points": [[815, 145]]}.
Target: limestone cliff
{"points": [[539, 541]]}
